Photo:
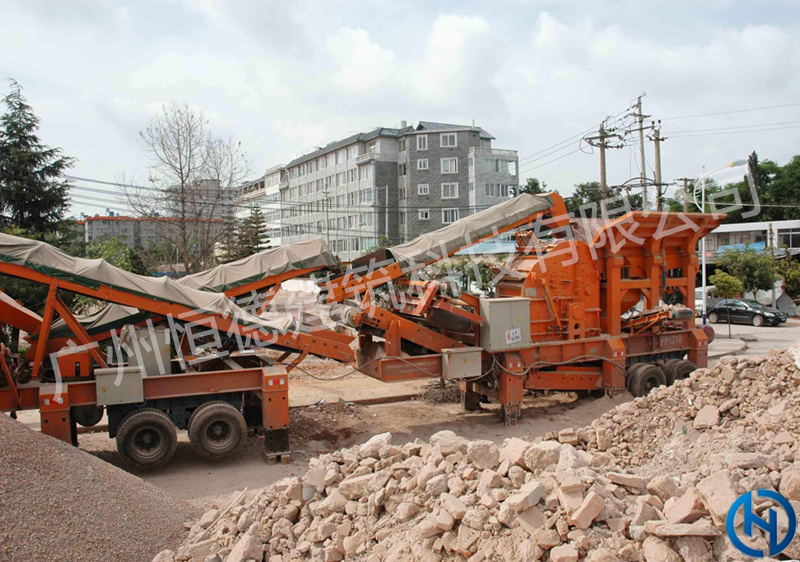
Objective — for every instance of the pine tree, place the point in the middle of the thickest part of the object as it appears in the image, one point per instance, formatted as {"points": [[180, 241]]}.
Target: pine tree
{"points": [[252, 235], [33, 197]]}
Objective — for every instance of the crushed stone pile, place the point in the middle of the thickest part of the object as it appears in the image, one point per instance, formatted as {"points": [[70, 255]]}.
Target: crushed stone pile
{"points": [[651, 480], [60, 503]]}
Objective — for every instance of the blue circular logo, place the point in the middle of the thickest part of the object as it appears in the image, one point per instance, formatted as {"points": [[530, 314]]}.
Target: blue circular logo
{"points": [[770, 526]]}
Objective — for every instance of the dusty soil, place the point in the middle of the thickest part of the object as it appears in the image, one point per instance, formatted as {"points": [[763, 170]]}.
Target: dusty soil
{"points": [[58, 503], [317, 430]]}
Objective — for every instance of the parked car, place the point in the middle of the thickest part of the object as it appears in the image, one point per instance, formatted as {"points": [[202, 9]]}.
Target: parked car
{"points": [[745, 311]]}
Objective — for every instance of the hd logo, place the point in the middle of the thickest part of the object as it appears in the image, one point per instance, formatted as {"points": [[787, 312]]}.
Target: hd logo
{"points": [[777, 543]]}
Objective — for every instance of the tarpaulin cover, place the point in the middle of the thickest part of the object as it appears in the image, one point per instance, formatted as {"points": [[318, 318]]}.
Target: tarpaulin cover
{"points": [[44, 258], [291, 257], [439, 243]]}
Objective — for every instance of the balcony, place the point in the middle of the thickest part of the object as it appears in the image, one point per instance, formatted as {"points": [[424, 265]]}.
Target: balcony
{"points": [[367, 157], [483, 152]]}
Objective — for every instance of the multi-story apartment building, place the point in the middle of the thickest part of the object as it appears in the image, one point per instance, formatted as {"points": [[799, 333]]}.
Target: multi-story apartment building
{"points": [[265, 193], [396, 183], [136, 232]]}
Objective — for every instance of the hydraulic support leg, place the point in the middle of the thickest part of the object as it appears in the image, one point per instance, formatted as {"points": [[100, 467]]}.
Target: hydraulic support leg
{"points": [[275, 413], [55, 415]]}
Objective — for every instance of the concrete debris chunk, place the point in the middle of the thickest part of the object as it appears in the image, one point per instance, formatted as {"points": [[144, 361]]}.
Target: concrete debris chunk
{"points": [[652, 479]]}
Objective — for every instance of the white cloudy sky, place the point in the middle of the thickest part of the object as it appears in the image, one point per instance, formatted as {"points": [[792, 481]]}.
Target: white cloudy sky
{"points": [[284, 76]]}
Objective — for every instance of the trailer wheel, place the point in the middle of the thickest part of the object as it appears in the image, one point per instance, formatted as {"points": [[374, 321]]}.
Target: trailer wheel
{"points": [[646, 379], [147, 438], [87, 416], [669, 366], [680, 370], [216, 429], [631, 374]]}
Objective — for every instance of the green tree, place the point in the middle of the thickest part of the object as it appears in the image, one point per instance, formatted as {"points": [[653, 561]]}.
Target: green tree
{"points": [[755, 270], [728, 287], [118, 254], [33, 197], [252, 234], [383, 242], [532, 186], [789, 270], [589, 193]]}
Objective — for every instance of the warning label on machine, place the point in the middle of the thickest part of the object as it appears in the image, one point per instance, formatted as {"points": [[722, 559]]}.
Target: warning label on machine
{"points": [[514, 335]]}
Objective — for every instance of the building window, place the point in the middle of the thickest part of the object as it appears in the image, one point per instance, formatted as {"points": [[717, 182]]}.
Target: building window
{"points": [[422, 142], [449, 165], [471, 187], [402, 193], [403, 145], [449, 216], [422, 164], [402, 169], [364, 172], [423, 189], [449, 140], [496, 190], [423, 214], [365, 196], [449, 190], [401, 217]]}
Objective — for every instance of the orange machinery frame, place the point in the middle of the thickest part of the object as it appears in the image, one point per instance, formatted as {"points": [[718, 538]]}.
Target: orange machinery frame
{"points": [[666, 243], [54, 401]]}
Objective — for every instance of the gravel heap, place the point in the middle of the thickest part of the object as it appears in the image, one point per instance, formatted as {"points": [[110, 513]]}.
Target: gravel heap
{"points": [[60, 503], [650, 480]]}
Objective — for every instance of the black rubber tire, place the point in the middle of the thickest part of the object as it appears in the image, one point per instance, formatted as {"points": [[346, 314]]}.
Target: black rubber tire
{"points": [[668, 366], [147, 438], [217, 430], [632, 370], [87, 416], [191, 417], [757, 320], [680, 370], [646, 379], [713, 317]]}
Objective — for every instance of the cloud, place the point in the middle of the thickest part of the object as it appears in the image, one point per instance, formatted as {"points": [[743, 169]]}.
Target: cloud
{"points": [[285, 77]]}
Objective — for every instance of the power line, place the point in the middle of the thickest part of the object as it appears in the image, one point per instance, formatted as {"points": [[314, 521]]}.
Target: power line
{"points": [[735, 132], [733, 111], [737, 127]]}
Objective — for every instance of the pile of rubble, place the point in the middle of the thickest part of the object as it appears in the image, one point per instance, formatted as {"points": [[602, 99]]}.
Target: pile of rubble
{"points": [[60, 503], [651, 480]]}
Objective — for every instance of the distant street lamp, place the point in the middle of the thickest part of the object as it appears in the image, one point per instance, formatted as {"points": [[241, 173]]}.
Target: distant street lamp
{"points": [[702, 206]]}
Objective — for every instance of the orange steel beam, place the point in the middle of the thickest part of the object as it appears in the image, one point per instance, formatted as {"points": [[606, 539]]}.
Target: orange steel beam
{"points": [[314, 344], [16, 315], [351, 284], [47, 321], [408, 330], [78, 330], [9, 379], [269, 281]]}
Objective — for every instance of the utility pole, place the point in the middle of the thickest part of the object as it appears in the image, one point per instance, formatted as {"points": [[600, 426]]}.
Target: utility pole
{"points": [[772, 252], [327, 204], [601, 133], [601, 141], [642, 161], [657, 138], [685, 193]]}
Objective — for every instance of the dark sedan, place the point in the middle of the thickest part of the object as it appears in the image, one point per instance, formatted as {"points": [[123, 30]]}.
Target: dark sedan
{"points": [[745, 311]]}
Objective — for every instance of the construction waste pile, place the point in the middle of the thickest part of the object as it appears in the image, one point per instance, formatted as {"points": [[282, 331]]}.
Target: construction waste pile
{"points": [[60, 503], [652, 480]]}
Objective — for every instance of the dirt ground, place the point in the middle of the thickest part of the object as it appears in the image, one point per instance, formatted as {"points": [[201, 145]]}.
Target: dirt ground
{"points": [[317, 430]]}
